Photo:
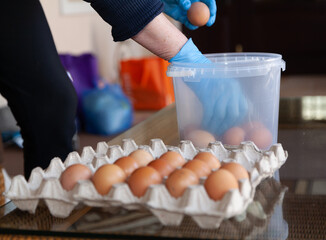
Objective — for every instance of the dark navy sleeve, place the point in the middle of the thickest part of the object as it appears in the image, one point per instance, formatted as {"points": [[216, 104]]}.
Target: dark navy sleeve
{"points": [[127, 17]]}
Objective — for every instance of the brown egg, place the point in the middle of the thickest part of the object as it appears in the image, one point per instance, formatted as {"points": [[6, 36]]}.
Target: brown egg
{"points": [[262, 137], [220, 182], [127, 164], [251, 125], [142, 157], [198, 14], [74, 173], [162, 166], [234, 136], [199, 138], [236, 169], [142, 178], [173, 158], [178, 181], [200, 168], [106, 176], [208, 158]]}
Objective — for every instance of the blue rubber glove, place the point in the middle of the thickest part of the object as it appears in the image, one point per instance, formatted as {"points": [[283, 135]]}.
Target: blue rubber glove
{"points": [[177, 9], [228, 108]]}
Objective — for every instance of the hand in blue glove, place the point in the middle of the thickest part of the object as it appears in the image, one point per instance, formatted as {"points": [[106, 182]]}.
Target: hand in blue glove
{"points": [[177, 9], [229, 106]]}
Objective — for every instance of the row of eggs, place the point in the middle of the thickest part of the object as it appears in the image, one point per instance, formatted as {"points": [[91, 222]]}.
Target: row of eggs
{"points": [[256, 132], [140, 170]]}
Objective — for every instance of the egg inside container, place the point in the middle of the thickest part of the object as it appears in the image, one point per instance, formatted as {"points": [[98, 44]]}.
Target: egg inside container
{"points": [[233, 97]]}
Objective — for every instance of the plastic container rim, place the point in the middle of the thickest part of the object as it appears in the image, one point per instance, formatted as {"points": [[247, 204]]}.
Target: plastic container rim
{"points": [[230, 62]]}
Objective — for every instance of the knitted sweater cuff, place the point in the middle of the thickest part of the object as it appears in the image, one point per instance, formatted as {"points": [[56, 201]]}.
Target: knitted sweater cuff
{"points": [[127, 17]]}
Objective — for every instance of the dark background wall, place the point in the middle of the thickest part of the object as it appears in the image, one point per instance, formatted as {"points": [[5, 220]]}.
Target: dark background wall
{"points": [[294, 28]]}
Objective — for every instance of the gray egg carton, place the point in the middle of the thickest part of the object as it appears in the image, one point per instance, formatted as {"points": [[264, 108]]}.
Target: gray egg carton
{"points": [[44, 185]]}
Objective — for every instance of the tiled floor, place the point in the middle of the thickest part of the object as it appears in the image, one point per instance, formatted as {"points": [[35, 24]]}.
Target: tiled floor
{"points": [[290, 86]]}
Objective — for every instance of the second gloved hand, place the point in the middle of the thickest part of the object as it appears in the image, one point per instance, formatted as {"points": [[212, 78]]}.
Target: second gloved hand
{"points": [[177, 9], [224, 105]]}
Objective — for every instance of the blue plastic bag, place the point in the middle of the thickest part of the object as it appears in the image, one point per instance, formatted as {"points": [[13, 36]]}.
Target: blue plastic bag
{"points": [[107, 111]]}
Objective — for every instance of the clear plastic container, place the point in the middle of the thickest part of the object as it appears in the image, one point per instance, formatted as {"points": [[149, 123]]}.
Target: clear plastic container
{"points": [[234, 98]]}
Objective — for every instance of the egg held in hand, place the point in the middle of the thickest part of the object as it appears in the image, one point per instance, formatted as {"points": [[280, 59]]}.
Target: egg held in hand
{"points": [[219, 183], [106, 176], [74, 173], [142, 178], [179, 180], [198, 14]]}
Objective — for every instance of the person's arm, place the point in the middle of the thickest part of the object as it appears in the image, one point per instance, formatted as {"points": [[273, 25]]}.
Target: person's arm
{"points": [[161, 37], [127, 17], [143, 21]]}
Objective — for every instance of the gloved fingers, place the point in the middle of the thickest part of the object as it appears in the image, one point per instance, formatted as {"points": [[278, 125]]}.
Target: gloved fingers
{"points": [[202, 92], [243, 106], [215, 114], [172, 11], [233, 114], [184, 4], [189, 53], [212, 10], [223, 127], [241, 101], [230, 118], [183, 19], [211, 21], [206, 122], [237, 104], [177, 9], [229, 109], [209, 118], [211, 5], [219, 102], [226, 113], [178, 15]]}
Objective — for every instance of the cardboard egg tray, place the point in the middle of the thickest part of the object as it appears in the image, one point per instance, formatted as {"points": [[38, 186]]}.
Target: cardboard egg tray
{"points": [[44, 185]]}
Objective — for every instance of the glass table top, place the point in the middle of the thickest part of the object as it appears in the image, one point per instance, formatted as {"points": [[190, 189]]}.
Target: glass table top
{"points": [[263, 220], [277, 211]]}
